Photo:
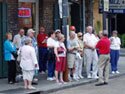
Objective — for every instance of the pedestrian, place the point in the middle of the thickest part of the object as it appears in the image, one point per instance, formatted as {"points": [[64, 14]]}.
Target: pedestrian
{"points": [[9, 51], [42, 47], [90, 54], [104, 58], [57, 33], [72, 47], [18, 41], [51, 44], [79, 61], [31, 34], [60, 52], [115, 48], [28, 63]]}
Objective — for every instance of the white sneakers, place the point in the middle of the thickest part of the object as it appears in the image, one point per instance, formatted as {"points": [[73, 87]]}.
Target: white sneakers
{"points": [[50, 79], [113, 72], [117, 72], [93, 76]]}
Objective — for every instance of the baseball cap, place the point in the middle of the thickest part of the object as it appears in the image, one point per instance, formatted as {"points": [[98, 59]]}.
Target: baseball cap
{"points": [[57, 30], [30, 31]]}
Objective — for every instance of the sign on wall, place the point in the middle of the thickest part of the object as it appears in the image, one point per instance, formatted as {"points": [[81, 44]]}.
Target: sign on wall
{"points": [[115, 6], [24, 12]]}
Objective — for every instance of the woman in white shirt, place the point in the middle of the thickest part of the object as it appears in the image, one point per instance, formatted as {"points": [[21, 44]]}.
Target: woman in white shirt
{"points": [[115, 48], [28, 63]]}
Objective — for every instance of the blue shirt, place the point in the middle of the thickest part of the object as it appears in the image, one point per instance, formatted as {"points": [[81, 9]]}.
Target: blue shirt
{"points": [[9, 47]]}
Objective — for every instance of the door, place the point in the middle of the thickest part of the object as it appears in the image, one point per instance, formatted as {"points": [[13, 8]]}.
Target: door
{"points": [[30, 19], [75, 16]]}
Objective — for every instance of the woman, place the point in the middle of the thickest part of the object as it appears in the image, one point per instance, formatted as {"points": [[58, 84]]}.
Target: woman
{"points": [[9, 50], [28, 63], [114, 54], [60, 53]]}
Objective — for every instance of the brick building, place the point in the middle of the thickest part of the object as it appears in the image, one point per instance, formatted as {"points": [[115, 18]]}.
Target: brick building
{"points": [[15, 14]]}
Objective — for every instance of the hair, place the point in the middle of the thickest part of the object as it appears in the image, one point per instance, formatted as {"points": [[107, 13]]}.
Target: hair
{"points": [[50, 33], [105, 33], [28, 40], [8, 33], [61, 36]]}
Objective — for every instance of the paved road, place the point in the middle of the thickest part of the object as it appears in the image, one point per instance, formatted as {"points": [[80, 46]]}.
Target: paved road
{"points": [[115, 86]]}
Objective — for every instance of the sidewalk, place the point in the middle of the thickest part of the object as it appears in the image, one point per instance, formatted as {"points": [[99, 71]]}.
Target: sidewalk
{"points": [[45, 86]]}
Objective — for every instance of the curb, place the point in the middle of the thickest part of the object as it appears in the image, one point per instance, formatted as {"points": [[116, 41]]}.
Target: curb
{"points": [[74, 85]]}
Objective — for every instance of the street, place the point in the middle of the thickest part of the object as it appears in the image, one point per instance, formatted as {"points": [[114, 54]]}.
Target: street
{"points": [[115, 86]]}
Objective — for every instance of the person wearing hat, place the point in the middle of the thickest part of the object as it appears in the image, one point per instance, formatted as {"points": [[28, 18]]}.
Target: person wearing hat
{"points": [[115, 48], [28, 63], [31, 34], [57, 33], [103, 47]]}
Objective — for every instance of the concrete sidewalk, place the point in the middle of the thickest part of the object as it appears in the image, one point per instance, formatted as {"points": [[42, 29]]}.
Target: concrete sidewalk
{"points": [[45, 86]]}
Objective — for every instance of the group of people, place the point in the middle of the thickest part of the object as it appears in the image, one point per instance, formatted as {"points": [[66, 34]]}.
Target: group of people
{"points": [[47, 53]]}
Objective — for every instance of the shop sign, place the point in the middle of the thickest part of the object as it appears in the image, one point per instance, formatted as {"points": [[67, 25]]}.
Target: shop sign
{"points": [[115, 6], [24, 12]]}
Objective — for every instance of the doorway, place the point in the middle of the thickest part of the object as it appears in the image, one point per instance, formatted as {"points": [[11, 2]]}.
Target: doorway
{"points": [[28, 14], [75, 16]]}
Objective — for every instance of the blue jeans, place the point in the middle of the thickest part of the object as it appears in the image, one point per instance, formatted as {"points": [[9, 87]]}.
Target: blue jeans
{"points": [[42, 59], [114, 54], [51, 68]]}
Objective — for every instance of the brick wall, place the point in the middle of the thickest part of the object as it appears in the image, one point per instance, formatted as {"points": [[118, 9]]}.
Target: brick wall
{"points": [[46, 14], [12, 15]]}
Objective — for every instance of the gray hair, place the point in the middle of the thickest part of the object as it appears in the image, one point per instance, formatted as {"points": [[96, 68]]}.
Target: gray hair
{"points": [[28, 40], [105, 32]]}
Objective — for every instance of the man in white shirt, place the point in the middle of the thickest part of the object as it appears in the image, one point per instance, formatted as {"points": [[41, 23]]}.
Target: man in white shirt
{"points": [[90, 54], [51, 44], [115, 48], [18, 41], [19, 38]]}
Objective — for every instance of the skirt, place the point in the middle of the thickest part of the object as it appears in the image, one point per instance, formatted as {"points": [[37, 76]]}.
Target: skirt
{"points": [[28, 75], [61, 66]]}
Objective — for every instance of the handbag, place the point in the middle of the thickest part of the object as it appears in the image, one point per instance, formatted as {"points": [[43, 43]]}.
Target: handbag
{"points": [[60, 50], [14, 54]]}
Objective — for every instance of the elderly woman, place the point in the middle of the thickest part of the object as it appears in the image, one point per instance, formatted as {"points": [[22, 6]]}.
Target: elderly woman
{"points": [[9, 50], [60, 52], [28, 63]]}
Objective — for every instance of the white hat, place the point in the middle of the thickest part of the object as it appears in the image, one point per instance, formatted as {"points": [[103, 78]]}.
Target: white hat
{"points": [[30, 31], [57, 30]]}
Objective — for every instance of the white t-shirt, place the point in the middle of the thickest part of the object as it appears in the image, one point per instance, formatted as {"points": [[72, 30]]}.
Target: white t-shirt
{"points": [[60, 44], [115, 43], [90, 39], [51, 42]]}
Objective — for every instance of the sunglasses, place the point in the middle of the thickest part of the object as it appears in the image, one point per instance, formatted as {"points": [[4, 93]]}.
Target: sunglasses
{"points": [[80, 36]]}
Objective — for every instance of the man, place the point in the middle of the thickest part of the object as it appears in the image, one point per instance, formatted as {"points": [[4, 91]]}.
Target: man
{"points": [[18, 39], [42, 45], [90, 54], [104, 58], [72, 48]]}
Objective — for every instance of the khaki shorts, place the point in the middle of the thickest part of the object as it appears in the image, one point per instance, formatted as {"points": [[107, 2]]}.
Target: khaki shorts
{"points": [[71, 60]]}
